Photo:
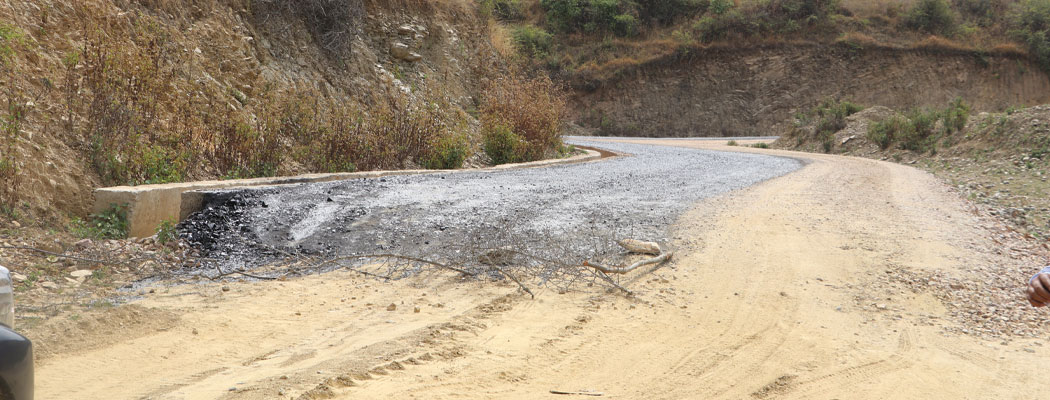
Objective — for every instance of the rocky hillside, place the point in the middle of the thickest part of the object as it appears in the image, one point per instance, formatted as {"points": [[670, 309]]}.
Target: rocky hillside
{"points": [[111, 92], [741, 67], [725, 91]]}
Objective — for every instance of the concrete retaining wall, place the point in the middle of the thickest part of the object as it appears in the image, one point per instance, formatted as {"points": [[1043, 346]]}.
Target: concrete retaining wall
{"points": [[151, 205]]}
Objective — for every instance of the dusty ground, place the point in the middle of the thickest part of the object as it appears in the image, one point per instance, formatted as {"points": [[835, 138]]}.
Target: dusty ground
{"points": [[835, 281]]}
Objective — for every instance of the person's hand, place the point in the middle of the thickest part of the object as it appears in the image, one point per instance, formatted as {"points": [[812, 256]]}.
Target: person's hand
{"points": [[1039, 290]]}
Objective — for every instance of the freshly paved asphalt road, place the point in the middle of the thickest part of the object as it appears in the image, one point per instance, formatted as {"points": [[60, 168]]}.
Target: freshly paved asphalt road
{"points": [[636, 196]]}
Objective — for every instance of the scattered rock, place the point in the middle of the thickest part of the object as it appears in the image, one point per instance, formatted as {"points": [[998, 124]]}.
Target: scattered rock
{"points": [[391, 307], [406, 30], [18, 277], [81, 273], [82, 244], [401, 51], [49, 285], [225, 288], [416, 310]]}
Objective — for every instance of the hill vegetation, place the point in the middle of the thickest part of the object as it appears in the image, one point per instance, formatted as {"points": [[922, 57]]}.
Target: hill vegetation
{"points": [[592, 42]]}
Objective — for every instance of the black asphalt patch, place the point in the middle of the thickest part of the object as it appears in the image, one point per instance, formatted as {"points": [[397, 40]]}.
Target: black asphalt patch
{"points": [[636, 196]]}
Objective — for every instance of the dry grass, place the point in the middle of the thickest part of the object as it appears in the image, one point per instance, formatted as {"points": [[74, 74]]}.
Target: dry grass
{"points": [[525, 115], [1009, 50], [502, 41], [858, 40], [940, 44]]}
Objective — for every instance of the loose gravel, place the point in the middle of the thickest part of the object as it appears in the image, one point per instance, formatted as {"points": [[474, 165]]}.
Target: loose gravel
{"points": [[638, 195]]}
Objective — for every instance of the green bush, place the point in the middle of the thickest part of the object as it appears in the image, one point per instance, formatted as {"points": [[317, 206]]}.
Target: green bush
{"points": [[885, 132], [916, 131], [1030, 24], [719, 26], [508, 10], [833, 114], [593, 16], [931, 16], [448, 153], [920, 135], [109, 224], [532, 41], [166, 232], [625, 25], [563, 15], [723, 20], [955, 116], [501, 144], [984, 13], [10, 36], [666, 12], [720, 7]]}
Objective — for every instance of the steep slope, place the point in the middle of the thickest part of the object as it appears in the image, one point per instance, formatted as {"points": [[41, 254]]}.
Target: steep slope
{"points": [[725, 91], [196, 87]]}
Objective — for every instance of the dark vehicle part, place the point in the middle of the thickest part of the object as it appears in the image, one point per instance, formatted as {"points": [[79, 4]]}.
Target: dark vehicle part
{"points": [[16, 352]]}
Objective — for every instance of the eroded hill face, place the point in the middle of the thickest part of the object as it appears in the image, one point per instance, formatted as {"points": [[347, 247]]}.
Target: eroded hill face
{"points": [[745, 92], [192, 78]]}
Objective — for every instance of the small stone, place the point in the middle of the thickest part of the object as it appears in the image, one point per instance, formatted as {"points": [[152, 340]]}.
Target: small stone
{"points": [[18, 277], [195, 332], [416, 310], [880, 306], [406, 30], [225, 288], [81, 273], [16, 224], [401, 51], [391, 307], [82, 244], [49, 285]]}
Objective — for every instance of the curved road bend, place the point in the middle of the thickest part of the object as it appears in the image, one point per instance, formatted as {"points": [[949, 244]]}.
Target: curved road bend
{"points": [[638, 196]]}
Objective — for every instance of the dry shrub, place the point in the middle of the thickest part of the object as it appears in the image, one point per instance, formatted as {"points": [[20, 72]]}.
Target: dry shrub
{"points": [[126, 85], [332, 23], [244, 151], [337, 137], [10, 131], [502, 41], [857, 40], [141, 128], [533, 109], [1009, 49], [941, 45]]}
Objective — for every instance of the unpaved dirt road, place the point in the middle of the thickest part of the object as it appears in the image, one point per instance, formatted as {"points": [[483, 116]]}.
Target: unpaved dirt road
{"points": [[769, 296]]}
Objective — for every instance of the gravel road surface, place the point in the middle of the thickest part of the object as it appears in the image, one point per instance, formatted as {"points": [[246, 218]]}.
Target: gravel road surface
{"points": [[638, 195]]}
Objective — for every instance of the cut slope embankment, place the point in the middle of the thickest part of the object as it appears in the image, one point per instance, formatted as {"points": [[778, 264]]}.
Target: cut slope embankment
{"points": [[753, 91]]}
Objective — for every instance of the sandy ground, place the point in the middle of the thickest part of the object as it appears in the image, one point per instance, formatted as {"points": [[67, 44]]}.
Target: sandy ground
{"points": [[769, 299]]}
